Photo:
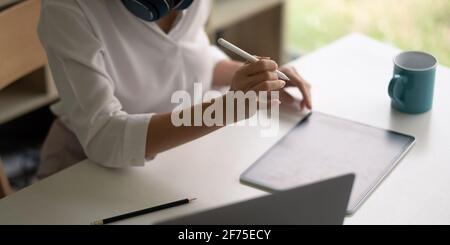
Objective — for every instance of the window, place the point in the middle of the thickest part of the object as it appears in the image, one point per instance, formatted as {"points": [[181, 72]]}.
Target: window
{"points": [[408, 24]]}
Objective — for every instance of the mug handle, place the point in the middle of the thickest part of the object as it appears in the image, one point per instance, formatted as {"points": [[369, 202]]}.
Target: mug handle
{"points": [[396, 87]]}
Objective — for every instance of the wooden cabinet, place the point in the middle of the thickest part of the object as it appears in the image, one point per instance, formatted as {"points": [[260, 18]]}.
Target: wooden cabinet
{"points": [[20, 50], [254, 25], [25, 82], [5, 188], [261, 35]]}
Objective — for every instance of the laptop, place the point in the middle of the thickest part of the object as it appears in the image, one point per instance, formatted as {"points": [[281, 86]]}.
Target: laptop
{"points": [[323, 203]]}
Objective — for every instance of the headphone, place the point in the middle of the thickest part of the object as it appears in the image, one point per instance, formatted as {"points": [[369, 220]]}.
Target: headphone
{"points": [[153, 10]]}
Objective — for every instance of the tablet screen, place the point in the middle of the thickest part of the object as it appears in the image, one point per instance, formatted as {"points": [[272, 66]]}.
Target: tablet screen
{"points": [[323, 147]]}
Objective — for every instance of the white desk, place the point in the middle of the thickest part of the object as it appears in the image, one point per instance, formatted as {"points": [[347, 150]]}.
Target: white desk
{"points": [[350, 79]]}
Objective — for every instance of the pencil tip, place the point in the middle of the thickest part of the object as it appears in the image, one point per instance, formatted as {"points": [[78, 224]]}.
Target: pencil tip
{"points": [[98, 222], [193, 199]]}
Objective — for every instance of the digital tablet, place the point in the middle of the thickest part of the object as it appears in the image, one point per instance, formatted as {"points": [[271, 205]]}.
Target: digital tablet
{"points": [[323, 146]]}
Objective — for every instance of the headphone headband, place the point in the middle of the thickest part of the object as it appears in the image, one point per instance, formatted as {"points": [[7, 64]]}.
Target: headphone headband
{"points": [[153, 10]]}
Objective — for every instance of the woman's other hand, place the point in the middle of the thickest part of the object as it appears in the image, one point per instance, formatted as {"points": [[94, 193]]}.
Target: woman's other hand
{"points": [[297, 81]]}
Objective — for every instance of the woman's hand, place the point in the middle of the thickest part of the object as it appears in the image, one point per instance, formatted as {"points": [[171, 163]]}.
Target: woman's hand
{"points": [[297, 81], [257, 77]]}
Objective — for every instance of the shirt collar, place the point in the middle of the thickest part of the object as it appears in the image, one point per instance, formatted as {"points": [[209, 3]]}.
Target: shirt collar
{"points": [[175, 27]]}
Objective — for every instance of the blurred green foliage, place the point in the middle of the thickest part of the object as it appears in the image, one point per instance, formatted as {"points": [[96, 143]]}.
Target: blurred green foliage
{"points": [[408, 24]]}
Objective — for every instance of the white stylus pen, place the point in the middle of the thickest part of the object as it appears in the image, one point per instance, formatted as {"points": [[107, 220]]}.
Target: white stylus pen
{"points": [[224, 43]]}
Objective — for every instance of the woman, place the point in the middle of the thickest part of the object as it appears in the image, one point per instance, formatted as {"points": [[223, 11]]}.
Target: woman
{"points": [[117, 63]]}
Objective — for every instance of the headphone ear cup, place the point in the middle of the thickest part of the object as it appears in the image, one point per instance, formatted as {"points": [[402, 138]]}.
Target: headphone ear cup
{"points": [[149, 10], [141, 9], [183, 4], [161, 7]]}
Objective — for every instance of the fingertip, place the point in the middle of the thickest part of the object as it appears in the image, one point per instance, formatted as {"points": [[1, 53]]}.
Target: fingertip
{"points": [[310, 104], [275, 64], [305, 105]]}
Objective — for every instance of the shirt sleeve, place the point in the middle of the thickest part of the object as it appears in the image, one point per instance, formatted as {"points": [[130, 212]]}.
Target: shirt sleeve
{"points": [[109, 136]]}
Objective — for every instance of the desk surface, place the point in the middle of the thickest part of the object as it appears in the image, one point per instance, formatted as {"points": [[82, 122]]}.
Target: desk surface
{"points": [[350, 79]]}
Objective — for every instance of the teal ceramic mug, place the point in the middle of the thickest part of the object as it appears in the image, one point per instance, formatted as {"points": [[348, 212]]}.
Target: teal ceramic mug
{"points": [[412, 87]]}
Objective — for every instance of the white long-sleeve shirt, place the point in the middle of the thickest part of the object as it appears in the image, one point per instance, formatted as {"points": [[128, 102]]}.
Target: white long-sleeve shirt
{"points": [[114, 71]]}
